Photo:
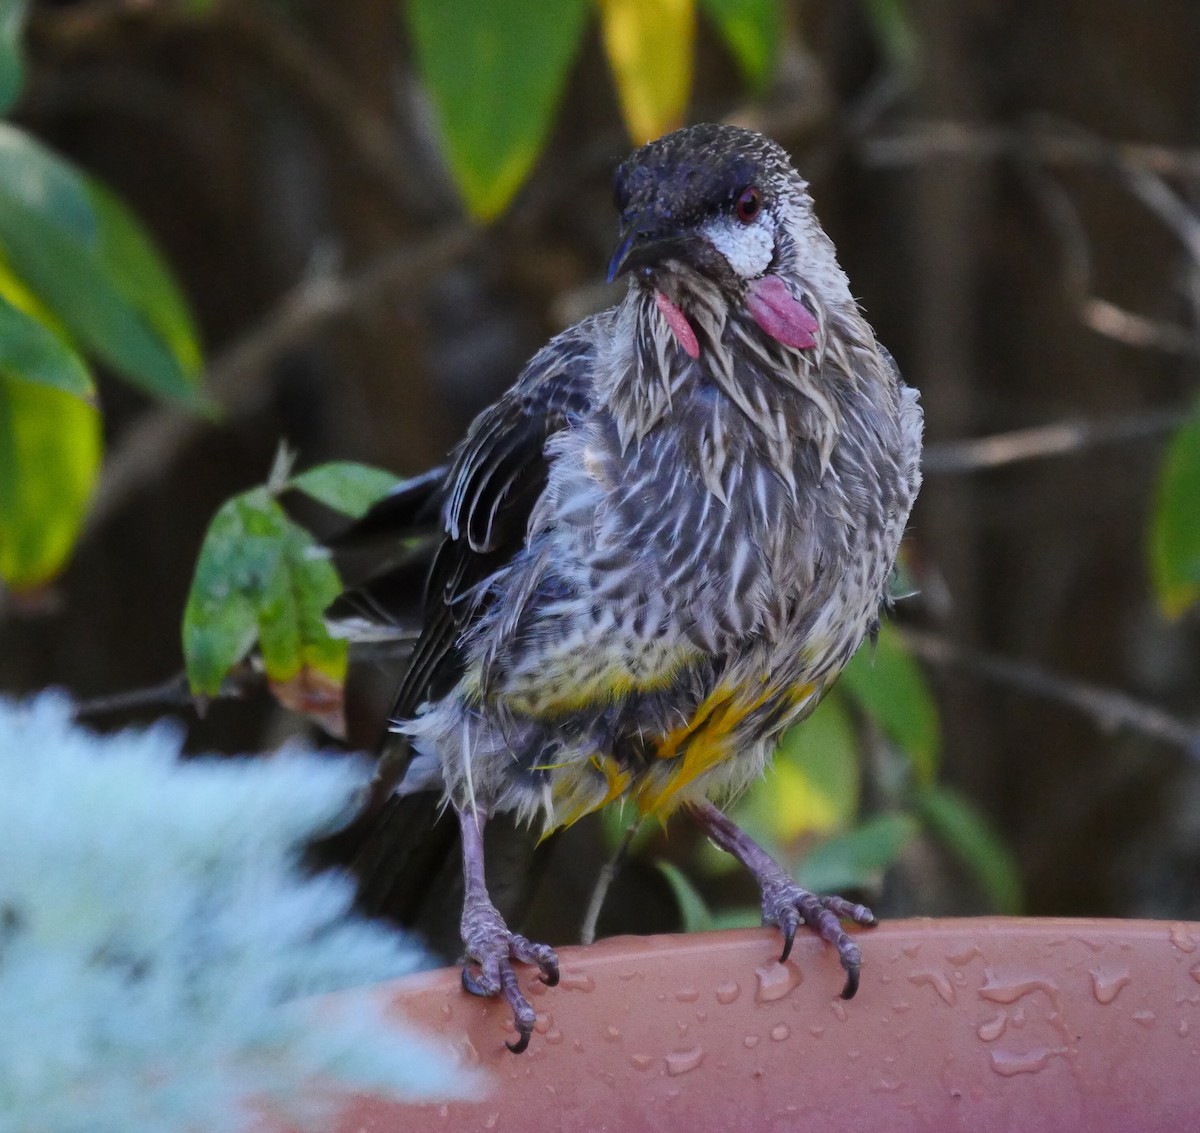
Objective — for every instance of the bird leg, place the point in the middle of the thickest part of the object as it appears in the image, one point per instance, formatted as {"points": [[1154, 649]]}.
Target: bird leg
{"points": [[784, 902], [489, 943]]}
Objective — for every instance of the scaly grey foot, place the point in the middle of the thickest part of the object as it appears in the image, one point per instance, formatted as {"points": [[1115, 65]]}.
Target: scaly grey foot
{"points": [[788, 905], [493, 949]]}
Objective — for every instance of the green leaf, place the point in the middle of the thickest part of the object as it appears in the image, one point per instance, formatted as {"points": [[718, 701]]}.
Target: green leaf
{"points": [[12, 67], [86, 260], [260, 577], [813, 784], [693, 912], [859, 857], [649, 44], [1175, 528], [752, 30], [32, 351], [50, 449], [970, 838], [494, 70], [890, 687], [345, 486]]}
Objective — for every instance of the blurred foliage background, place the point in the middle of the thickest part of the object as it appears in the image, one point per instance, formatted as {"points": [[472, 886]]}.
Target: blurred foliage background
{"points": [[346, 227]]}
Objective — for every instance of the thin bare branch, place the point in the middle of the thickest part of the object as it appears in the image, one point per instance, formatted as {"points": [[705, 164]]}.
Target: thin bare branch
{"points": [[237, 379], [1063, 438], [1109, 709]]}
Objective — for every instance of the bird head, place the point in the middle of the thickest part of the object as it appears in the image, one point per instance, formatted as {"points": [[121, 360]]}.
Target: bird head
{"points": [[720, 209]]}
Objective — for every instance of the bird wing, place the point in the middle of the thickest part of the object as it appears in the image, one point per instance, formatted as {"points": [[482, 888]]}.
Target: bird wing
{"points": [[494, 480]]}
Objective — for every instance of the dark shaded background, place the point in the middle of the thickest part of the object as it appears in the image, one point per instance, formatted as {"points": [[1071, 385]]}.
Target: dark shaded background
{"points": [[283, 156]]}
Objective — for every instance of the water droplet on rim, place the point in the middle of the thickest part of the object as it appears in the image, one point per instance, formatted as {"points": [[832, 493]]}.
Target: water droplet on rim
{"points": [[683, 1061]]}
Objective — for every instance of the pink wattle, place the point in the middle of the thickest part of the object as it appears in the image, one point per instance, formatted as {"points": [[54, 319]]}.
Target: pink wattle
{"points": [[783, 317], [679, 325]]}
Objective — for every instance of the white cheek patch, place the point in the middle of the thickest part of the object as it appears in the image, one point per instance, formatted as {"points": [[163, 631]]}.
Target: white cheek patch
{"points": [[749, 248]]}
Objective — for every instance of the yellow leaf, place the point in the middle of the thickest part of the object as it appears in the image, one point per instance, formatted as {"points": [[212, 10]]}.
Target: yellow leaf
{"points": [[50, 448], [650, 46]]}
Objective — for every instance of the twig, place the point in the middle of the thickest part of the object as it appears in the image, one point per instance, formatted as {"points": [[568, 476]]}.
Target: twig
{"points": [[948, 139], [604, 880], [171, 693], [1063, 438], [1109, 709], [238, 377]]}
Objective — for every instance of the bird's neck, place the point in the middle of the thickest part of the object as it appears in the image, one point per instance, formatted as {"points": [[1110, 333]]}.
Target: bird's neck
{"points": [[745, 394]]}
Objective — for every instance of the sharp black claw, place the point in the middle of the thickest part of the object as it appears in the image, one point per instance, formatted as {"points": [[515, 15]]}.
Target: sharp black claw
{"points": [[789, 938], [851, 987], [473, 986], [519, 1046], [550, 975]]}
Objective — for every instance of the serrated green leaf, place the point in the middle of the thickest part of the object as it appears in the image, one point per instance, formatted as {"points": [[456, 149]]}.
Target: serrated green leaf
{"points": [[969, 837], [1175, 527], [12, 68], [33, 352], [650, 45], [494, 70], [751, 29], [85, 259], [693, 912], [858, 857], [261, 577], [812, 786], [890, 687], [345, 486], [50, 449]]}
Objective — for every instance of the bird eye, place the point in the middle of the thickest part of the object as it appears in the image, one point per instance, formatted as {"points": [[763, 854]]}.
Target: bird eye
{"points": [[748, 205]]}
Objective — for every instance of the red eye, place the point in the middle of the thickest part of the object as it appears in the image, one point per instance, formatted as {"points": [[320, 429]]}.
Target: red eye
{"points": [[748, 205]]}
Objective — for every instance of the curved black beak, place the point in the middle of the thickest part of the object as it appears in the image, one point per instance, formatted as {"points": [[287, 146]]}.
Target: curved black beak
{"points": [[645, 245]]}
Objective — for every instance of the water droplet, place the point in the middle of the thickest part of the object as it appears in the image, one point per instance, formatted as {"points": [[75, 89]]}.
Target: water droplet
{"points": [[682, 1061], [1106, 983], [964, 957], [992, 1029], [446, 1011], [911, 951], [1009, 991], [775, 981], [750, 1042], [630, 975], [886, 1086], [1194, 972], [839, 1011], [1009, 1062], [816, 1031], [780, 1032], [672, 1094], [1182, 938], [687, 994], [727, 993], [554, 1036], [1185, 1028], [577, 981], [701, 1016], [612, 1034], [443, 1112], [1146, 1018], [490, 1121], [682, 1028], [535, 986], [543, 1022], [901, 1006], [937, 980], [641, 1061]]}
